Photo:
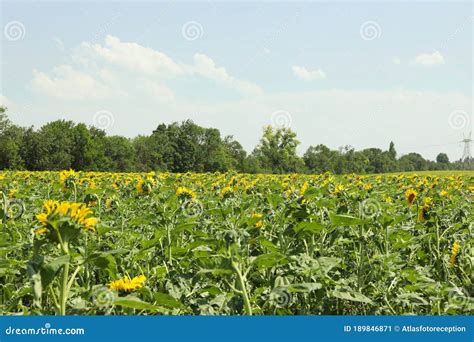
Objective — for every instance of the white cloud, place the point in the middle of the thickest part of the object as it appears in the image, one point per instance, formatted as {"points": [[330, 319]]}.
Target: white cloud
{"points": [[105, 67], [159, 92], [131, 56], [429, 59], [308, 75], [396, 60], [206, 67], [4, 101], [69, 84]]}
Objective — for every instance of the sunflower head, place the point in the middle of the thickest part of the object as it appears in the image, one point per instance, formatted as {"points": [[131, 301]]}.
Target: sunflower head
{"points": [[68, 178], [126, 284], [338, 189], [304, 188], [144, 186], [111, 203], [64, 220], [454, 254], [443, 193], [410, 196], [185, 194], [226, 192], [257, 219]]}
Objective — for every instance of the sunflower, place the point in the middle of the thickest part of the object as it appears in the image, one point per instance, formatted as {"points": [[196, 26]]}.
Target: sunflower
{"points": [[454, 254], [144, 186], [427, 203], [226, 192], [185, 193], [68, 178], [304, 188], [338, 189], [443, 193], [258, 218], [79, 213], [111, 203], [410, 195], [12, 193], [126, 284]]}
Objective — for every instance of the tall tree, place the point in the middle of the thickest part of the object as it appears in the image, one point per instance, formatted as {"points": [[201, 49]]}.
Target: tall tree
{"points": [[277, 151]]}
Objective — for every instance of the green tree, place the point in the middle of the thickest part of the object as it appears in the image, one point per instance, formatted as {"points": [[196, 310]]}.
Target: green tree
{"points": [[320, 159], [236, 153], [119, 153], [442, 158], [412, 162], [276, 152], [391, 151]]}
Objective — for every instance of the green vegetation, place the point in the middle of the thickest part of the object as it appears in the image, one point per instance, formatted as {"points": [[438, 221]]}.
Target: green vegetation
{"points": [[92, 243], [187, 147]]}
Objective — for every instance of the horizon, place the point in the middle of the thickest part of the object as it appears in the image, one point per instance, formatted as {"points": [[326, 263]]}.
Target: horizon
{"points": [[249, 152], [336, 74]]}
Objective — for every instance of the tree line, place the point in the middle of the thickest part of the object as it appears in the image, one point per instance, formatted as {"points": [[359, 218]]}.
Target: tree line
{"points": [[185, 146]]}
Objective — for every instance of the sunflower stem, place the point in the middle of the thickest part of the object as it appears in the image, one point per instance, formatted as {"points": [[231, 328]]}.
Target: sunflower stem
{"points": [[241, 280], [64, 289]]}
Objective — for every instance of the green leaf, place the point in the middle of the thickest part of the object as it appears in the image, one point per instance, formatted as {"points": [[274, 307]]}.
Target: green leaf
{"points": [[51, 269], [348, 294], [309, 227], [269, 260], [166, 300], [135, 303], [346, 220], [304, 287], [328, 263], [106, 262]]}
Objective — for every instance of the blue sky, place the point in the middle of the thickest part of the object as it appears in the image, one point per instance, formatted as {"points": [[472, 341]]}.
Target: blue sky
{"points": [[338, 73]]}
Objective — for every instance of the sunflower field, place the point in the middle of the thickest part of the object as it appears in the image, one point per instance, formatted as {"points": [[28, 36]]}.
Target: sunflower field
{"points": [[90, 243]]}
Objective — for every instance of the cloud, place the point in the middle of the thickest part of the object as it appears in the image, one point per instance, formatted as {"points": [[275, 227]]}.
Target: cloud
{"points": [[396, 60], [99, 71], [69, 84], [308, 75], [207, 68], [4, 101], [159, 92], [131, 56], [429, 59]]}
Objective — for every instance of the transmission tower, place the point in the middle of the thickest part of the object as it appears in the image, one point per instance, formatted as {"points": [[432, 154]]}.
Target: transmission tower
{"points": [[466, 155]]}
